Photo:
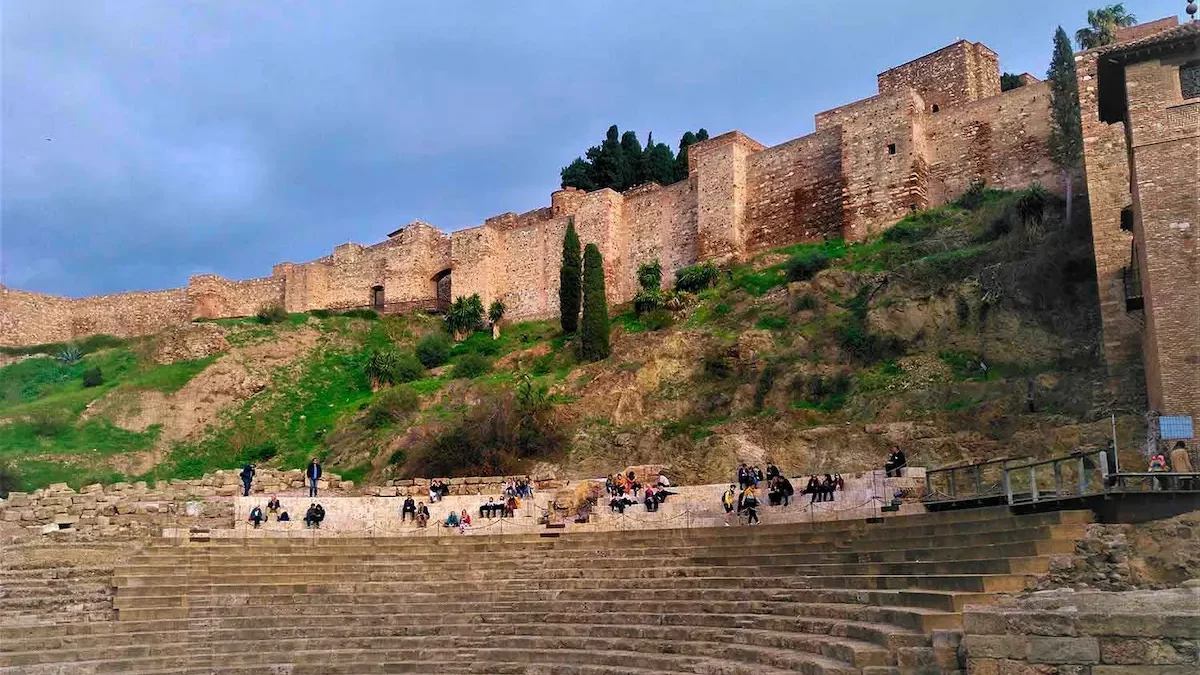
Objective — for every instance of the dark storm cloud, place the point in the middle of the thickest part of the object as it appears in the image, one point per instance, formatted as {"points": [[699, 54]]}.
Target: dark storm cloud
{"points": [[144, 141]]}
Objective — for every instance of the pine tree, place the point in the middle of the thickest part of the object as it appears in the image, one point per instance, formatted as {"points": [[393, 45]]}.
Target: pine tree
{"points": [[1066, 128], [631, 161], [681, 160], [660, 164], [569, 276], [593, 339], [609, 160], [578, 174]]}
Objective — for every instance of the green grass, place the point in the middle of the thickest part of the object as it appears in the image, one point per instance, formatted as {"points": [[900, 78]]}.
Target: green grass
{"points": [[170, 378], [354, 473], [771, 322], [428, 385], [35, 473]]}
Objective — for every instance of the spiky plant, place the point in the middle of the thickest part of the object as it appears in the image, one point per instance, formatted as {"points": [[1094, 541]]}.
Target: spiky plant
{"points": [[70, 355]]}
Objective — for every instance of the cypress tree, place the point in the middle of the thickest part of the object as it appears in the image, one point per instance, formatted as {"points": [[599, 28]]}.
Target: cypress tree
{"points": [[1066, 127], [569, 279], [631, 158], [681, 160], [593, 343]]}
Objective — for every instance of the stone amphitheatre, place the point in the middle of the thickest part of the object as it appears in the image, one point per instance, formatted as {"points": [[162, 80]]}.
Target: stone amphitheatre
{"points": [[1061, 564]]}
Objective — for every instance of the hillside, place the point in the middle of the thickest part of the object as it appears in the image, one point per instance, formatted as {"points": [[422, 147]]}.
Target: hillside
{"points": [[963, 332]]}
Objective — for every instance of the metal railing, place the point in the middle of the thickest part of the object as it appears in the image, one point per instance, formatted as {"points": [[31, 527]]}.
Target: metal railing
{"points": [[1075, 475], [981, 480]]}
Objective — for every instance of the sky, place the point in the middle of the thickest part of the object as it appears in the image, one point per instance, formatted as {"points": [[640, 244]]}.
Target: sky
{"points": [[144, 141]]}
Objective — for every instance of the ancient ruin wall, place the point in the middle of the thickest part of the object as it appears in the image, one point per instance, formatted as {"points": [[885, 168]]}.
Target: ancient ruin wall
{"points": [[868, 164]]}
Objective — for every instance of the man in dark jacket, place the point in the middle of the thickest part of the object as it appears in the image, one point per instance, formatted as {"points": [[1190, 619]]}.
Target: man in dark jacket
{"points": [[410, 508], [313, 474], [895, 462], [247, 477]]}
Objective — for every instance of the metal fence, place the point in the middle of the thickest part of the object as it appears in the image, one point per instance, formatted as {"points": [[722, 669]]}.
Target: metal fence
{"points": [[980, 481]]}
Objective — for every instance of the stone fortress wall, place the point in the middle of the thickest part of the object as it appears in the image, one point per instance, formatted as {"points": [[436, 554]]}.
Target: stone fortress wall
{"points": [[937, 124]]}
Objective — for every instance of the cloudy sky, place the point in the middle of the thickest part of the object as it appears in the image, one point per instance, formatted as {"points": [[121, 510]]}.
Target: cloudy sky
{"points": [[146, 141]]}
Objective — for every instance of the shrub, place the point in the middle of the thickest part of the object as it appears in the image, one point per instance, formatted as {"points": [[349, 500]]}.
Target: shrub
{"points": [[974, 197], [804, 302], [908, 231], [649, 276], [271, 313], [805, 266], [48, 424], [434, 350], [1031, 206], [658, 320], [770, 322], [387, 367], [321, 313], [825, 393], [645, 301], [594, 329], [766, 380], [858, 341], [496, 311], [391, 406], [70, 356], [10, 479], [471, 365], [479, 343], [696, 277], [542, 365], [260, 452], [367, 314], [92, 377], [398, 457], [465, 315]]}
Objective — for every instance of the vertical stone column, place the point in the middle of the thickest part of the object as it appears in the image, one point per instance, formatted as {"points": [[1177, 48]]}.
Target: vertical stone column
{"points": [[719, 166]]}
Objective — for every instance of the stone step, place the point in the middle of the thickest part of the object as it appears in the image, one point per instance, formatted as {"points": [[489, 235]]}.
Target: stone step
{"points": [[384, 571], [662, 655]]}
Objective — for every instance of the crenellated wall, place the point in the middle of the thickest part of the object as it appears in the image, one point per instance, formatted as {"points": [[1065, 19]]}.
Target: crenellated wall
{"points": [[866, 165]]}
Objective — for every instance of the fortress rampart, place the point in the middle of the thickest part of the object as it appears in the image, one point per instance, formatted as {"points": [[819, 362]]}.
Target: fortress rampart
{"points": [[938, 123]]}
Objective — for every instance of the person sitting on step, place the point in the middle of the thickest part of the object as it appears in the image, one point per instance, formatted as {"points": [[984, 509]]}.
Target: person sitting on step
{"points": [[422, 514], [827, 488], [618, 504], [487, 509], [409, 508], [895, 462], [464, 521], [1181, 462], [663, 481], [314, 515], [772, 471], [510, 507], [813, 488], [273, 505], [284, 517], [451, 520], [256, 516], [838, 483], [649, 501]]}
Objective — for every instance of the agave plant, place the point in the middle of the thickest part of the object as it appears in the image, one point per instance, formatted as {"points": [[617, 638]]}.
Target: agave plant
{"points": [[70, 355]]}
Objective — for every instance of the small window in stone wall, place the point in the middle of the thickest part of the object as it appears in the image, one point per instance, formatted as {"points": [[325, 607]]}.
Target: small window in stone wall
{"points": [[891, 148], [1189, 79]]}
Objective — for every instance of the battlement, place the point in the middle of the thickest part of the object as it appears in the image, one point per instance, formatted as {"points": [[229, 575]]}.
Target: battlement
{"points": [[919, 142]]}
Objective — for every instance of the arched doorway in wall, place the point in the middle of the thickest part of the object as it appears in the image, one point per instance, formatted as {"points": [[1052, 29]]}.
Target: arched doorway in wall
{"points": [[442, 290], [377, 298]]}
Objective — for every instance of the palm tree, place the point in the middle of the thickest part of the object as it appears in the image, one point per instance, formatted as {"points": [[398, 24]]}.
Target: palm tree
{"points": [[1103, 25]]}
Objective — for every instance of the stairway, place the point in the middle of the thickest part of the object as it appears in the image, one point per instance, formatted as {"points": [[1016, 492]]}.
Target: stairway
{"points": [[830, 598]]}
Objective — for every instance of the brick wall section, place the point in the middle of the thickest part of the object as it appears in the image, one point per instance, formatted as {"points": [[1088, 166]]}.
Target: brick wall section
{"points": [[1106, 170], [740, 198], [1086, 633], [954, 75], [1000, 139], [1165, 143], [796, 191]]}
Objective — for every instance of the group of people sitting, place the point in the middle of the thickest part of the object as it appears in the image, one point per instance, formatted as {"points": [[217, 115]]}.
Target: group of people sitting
{"points": [[438, 489], [520, 488], [258, 517], [500, 507], [743, 498], [621, 486], [1180, 462], [461, 521], [822, 489], [416, 510]]}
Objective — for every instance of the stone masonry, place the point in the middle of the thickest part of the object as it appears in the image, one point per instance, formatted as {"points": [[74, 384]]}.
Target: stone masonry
{"points": [[938, 123], [1142, 152]]}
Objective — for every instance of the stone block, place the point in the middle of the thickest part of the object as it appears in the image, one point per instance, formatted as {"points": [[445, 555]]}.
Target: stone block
{"points": [[1149, 651], [1064, 650], [10, 515], [996, 646], [387, 492], [983, 622], [1144, 670]]}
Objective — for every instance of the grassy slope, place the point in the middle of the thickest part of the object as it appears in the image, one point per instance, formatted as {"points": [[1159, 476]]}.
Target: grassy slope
{"points": [[825, 357]]}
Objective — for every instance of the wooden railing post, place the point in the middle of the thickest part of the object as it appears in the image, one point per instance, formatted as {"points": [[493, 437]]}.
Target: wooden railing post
{"points": [[1082, 476], [1103, 471], [1057, 479], [953, 491], [1007, 484], [1033, 489], [978, 480]]}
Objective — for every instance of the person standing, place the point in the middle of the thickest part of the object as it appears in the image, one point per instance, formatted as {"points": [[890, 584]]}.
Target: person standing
{"points": [[313, 473], [247, 477], [896, 462]]}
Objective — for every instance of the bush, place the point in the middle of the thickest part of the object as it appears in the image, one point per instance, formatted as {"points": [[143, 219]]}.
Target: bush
{"points": [[387, 367], [92, 377], [271, 313], [465, 315], [908, 231], [408, 368], [48, 424], [321, 313], [658, 320], [70, 356], [696, 278], [770, 322], [766, 380], [496, 311], [645, 301], [260, 452], [471, 365], [804, 302], [434, 350], [10, 479], [391, 406], [806, 265], [1031, 206], [858, 341], [825, 393], [974, 197], [649, 276], [398, 457], [367, 314]]}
